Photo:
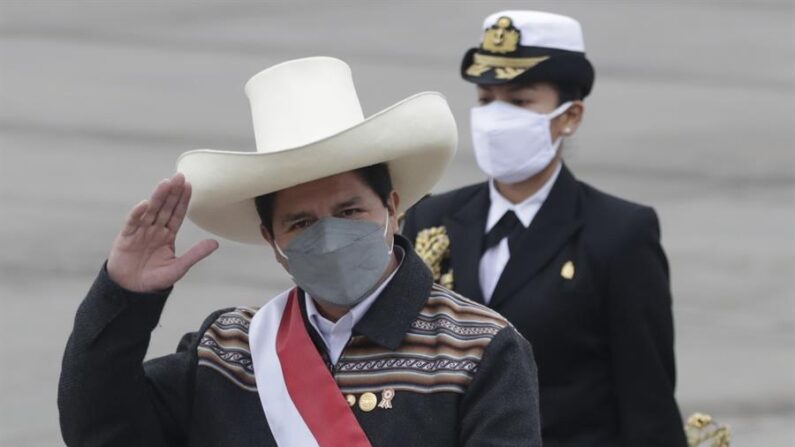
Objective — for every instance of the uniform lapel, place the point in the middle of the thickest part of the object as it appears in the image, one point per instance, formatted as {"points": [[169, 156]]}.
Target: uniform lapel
{"points": [[556, 222], [465, 229]]}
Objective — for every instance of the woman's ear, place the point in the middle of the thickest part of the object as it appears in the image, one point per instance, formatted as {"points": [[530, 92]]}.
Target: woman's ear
{"points": [[573, 117], [567, 124]]}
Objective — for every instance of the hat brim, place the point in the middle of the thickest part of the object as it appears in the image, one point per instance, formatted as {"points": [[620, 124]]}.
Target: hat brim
{"points": [[563, 67], [416, 138]]}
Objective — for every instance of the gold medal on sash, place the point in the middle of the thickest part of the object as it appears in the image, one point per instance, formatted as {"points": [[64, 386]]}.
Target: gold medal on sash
{"points": [[367, 402]]}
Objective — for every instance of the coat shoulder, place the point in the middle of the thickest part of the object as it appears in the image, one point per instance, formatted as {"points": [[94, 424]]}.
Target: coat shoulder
{"points": [[224, 345], [601, 204], [463, 311], [614, 222], [619, 212], [431, 210]]}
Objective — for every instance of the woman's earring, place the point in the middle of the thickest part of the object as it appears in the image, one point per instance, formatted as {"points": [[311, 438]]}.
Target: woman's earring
{"points": [[567, 130]]}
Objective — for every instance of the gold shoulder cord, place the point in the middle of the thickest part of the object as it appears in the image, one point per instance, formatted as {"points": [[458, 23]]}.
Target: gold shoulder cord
{"points": [[701, 428], [433, 246]]}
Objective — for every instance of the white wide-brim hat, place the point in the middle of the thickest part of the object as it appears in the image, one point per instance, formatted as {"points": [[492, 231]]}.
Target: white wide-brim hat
{"points": [[308, 124]]}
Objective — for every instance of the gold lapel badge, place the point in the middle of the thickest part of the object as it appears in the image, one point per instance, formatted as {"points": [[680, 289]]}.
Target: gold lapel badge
{"points": [[502, 37], [386, 398], [567, 272], [368, 402]]}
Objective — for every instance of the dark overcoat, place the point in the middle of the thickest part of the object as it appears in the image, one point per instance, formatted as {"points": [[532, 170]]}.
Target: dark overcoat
{"points": [[588, 286]]}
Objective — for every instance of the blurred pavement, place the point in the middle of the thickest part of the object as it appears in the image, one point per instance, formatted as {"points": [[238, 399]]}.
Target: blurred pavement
{"points": [[693, 113]]}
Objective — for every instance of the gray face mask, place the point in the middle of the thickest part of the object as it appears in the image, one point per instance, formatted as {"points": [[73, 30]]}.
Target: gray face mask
{"points": [[338, 260]]}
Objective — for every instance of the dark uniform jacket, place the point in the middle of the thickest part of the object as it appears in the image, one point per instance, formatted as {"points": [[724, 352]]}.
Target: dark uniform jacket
{"points": [[603, 339], [461, 374]]}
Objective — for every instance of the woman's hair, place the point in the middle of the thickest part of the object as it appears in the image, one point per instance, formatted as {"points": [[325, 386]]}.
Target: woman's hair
{"points": [[567, 92]]}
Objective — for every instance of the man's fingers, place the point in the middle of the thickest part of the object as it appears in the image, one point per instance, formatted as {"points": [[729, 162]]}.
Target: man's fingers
{"points": [[134, 218], [164, 215], [181, 209], [196, 254], [157, 200]]}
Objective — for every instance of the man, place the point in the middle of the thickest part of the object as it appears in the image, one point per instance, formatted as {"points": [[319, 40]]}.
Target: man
{"points": [[365, 351], [580, 273]]}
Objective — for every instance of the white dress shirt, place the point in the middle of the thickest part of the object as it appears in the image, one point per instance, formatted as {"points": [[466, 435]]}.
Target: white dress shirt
{"points": [[493, 261], [335, 334]]}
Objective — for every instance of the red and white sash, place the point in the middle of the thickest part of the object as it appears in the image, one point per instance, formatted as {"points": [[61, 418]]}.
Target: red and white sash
{"points": [[302, 402]]}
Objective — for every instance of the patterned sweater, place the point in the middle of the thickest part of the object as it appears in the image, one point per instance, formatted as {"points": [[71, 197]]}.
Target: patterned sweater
{"points": [[444, 370]]}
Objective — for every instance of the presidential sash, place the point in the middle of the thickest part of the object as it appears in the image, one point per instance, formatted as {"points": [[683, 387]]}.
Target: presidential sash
{"points": [[301, 400]]}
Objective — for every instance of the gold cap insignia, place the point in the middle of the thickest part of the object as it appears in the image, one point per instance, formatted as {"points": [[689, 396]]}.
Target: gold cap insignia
{"points": [[567, 272], [502, 37]]}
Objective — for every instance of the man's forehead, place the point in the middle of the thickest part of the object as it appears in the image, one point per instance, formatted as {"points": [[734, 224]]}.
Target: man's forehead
{"points": [[332, 184], [328, 191]]}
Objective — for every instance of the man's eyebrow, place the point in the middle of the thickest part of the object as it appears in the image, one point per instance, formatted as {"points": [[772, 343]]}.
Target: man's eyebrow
{"points": [[293, 217], [350, 202], [299, 215]]}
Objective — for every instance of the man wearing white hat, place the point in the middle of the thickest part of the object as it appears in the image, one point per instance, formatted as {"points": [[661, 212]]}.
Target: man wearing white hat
{"points": [[580, 273], [366, 350]]}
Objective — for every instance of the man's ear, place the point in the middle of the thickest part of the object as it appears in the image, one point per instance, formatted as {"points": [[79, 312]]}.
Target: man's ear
{"points": [[269, 239], [266, 234], [392, 204]]}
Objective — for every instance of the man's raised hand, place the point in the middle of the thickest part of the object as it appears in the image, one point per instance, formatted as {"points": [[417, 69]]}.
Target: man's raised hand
{"points": [[143, 258]]}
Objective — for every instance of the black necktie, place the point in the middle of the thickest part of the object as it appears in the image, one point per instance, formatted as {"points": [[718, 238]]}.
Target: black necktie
{"points": [[508, 225]]}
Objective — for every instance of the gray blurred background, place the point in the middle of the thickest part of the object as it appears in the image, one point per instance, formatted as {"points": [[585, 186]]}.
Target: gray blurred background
{"points": [[692, 112]]}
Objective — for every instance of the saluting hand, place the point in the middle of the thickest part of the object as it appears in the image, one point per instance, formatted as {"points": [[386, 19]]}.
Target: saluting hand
{"points": [[143, 258]]}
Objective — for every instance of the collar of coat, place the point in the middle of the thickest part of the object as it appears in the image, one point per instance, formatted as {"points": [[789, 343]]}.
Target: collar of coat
{"points": [[556, 221]]}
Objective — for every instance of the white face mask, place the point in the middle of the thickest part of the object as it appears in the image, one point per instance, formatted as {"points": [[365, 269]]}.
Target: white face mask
{"points": [[511, 143]]}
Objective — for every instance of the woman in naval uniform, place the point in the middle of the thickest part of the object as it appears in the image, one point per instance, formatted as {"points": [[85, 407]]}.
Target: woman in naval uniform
{"points": [[580, 273]]}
